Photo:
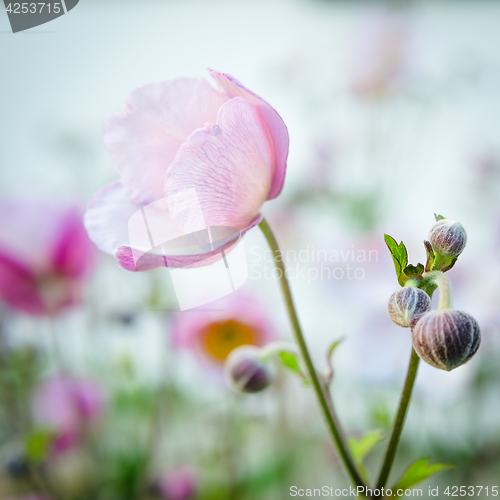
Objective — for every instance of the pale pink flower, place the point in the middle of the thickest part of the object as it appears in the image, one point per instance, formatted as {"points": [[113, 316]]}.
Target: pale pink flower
{"points": [[178, 484], [211, 335], [65, 406], [226, 143], [44, 255]]}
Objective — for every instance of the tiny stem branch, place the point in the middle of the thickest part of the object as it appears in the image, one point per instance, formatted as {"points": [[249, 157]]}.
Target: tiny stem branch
{"points": [[397, 428], [324, 401]]}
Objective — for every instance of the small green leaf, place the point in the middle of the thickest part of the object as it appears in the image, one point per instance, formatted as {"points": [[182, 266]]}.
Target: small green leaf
{"points": [[329, 354], [418, 472], [333, 346], [360, 447], [399, 256], [449, 264], [37, 444], [431, 256], [439, 217], [290, 361], [412, 270]]}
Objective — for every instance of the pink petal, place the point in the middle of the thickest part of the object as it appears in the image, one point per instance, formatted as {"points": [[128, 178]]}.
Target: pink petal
{"points": [[148, 261], [156, 119], [73, 251], [18, 287], [275, 125], [228, 164], [107, 216]]}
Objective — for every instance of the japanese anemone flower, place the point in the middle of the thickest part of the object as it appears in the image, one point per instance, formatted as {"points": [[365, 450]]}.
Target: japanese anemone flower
{"points": [[65, 406], [45, 254], [225, 144], [213, 335]]}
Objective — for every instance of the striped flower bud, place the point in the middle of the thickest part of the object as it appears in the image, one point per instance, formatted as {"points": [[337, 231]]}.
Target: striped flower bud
{"points": [[407, 304], [448, 237], [446, 339], [247, 371]]}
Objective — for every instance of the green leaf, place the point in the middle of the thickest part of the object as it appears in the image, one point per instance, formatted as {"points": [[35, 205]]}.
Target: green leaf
{"points": [[290, 360], [449, 263], [333, 346], [360, 447], [431, 256], [419, 471], [399, 256], [38, 444], [329, 354], [412, 270], [439, 217]]}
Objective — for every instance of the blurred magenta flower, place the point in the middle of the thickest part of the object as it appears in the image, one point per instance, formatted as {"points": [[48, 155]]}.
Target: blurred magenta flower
{"points": [[44, 255], [226, 143], [179, 484], [66, 406], [212, 335]]}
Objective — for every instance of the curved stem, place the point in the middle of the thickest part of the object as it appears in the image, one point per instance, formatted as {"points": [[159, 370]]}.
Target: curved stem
{"points": [[397, 428], [444, 286], [324, 401]]}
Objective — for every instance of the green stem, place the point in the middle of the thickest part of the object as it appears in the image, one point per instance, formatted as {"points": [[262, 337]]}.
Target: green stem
{"points": [[445, 289], [397, 428], [325, 405]]}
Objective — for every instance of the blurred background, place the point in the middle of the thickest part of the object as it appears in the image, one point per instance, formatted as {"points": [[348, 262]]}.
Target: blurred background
{"points": [[393, 113]]}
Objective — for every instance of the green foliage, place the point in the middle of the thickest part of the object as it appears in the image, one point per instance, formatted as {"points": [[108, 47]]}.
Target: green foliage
{"points": [[411, 270], [419, 471], [400, 258], [361, 447], [140, 400], [37, 445], [431, 256], [329, 354], [291, 361], [333, 346]]}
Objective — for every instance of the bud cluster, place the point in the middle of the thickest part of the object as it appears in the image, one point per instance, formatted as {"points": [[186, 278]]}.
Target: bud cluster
{"points": [[444, 338]]}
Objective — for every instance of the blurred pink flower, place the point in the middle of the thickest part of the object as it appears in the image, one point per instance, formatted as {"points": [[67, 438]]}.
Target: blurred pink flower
{"points": [[178, 485], [226, 143], [44, 255], [65, 406], [212, 335]]}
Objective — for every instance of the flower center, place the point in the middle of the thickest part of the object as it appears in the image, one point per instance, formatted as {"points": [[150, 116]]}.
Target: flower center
{"points": [[219, 339]]}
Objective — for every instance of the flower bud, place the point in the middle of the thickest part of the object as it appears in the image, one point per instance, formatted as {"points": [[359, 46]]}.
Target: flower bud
{"points": [[247, 371], [448, 237], [407, 304], [446, 339]]}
